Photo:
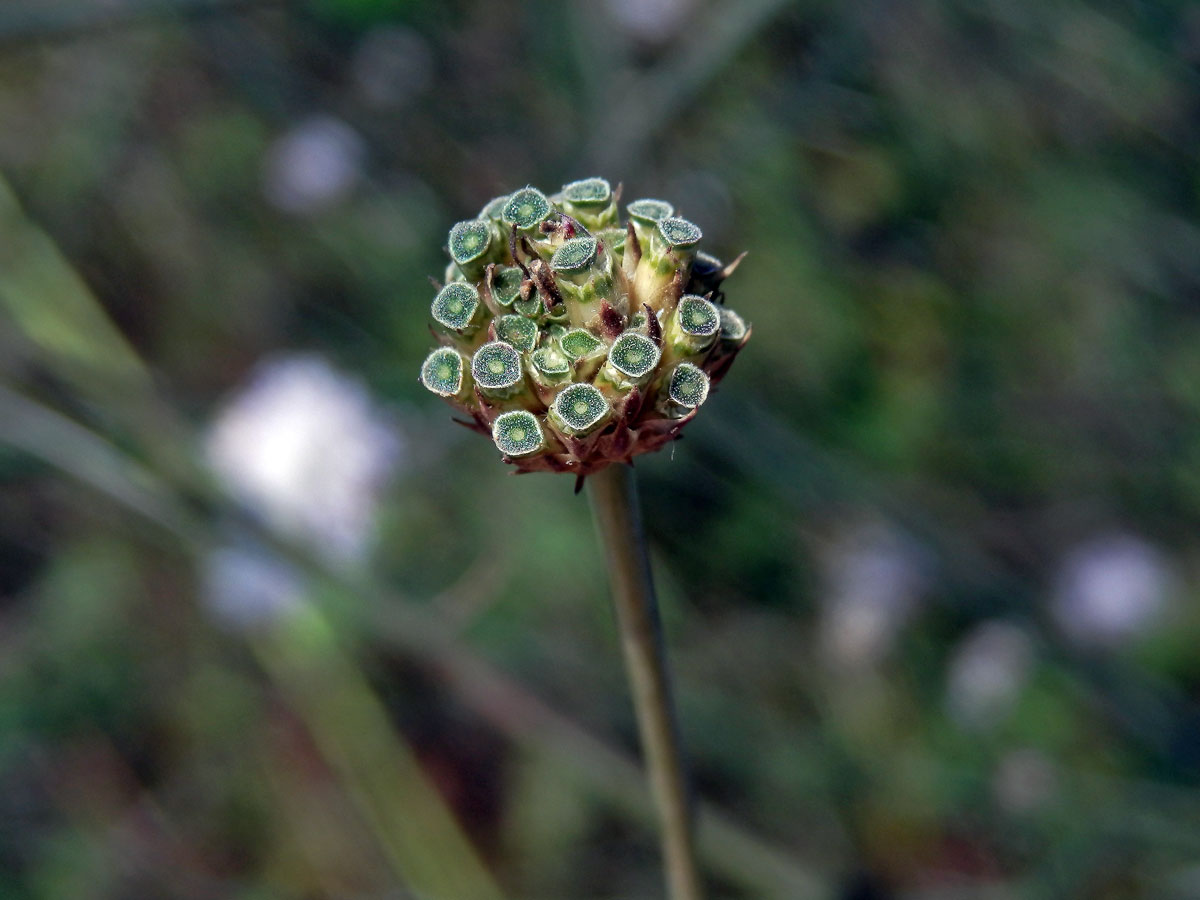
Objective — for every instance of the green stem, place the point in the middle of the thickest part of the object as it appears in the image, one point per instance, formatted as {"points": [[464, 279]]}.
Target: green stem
{"points": [[613, 493]]}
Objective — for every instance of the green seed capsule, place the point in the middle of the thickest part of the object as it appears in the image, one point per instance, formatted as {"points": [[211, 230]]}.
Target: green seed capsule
{"points": [[443, 372], [531, 308], [518, 331], [527, 209], [593, 192], [579, 409], [506, 284], [648, 212], [574, 256], [469, 244], [674, 233], [644, 215], [693, 326], [631, 360], [590, 201], [518, 433], [579, 343], [457, 308], [550, 366], [688, 387], [496, 368]]}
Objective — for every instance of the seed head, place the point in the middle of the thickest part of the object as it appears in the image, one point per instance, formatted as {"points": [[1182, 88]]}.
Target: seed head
{"points": [[574, 339]]}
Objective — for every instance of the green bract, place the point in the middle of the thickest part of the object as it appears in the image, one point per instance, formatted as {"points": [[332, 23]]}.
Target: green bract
{"points": [[577, 339]]}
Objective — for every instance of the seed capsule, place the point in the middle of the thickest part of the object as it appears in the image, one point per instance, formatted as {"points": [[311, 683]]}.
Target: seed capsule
{"points": [[518, 433], [579, 409], [496, 368]]}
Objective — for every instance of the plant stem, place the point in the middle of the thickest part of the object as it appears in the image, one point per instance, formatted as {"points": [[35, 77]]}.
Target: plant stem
{"points": [[613, 493]]}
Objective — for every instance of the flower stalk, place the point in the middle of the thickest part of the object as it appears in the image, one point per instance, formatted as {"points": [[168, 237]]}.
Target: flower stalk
{"points": [[615, 507]]}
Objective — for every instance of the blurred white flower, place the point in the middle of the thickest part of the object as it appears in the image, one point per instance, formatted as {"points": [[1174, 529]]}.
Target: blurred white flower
{"points": [[303, 447], [392, 65], [874, 578], [246, 588], [1111, 589], [1024, 781], [651, 21], [987, 672], [312, 166]]}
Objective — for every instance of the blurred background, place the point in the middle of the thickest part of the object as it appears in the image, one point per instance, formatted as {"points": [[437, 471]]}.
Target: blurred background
{"points": [[271, 626]]}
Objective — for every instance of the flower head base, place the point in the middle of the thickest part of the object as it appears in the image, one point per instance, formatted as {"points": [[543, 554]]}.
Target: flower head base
{"points": [[575, 340]]}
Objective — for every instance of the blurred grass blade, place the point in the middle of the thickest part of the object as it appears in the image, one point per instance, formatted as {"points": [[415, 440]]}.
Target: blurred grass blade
{"points": [[51, 437], [413, 824], [51, 306]]}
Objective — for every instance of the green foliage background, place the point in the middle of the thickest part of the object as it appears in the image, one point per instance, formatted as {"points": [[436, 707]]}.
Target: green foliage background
{"points": [[974, 279]]}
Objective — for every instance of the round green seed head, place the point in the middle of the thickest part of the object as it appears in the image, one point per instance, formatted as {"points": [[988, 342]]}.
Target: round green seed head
{"points": [[442, 372], [517, 433], [518, 331], [455, 305], [469, 241], [587, 192], [526, 209], [633, 354], [579, 408], [496, 366], [551, 361], [689, 386], [506, 284], [649, 211], [733, 326], [698, 317], [679, 233], [574, 255], [579, 343]]}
